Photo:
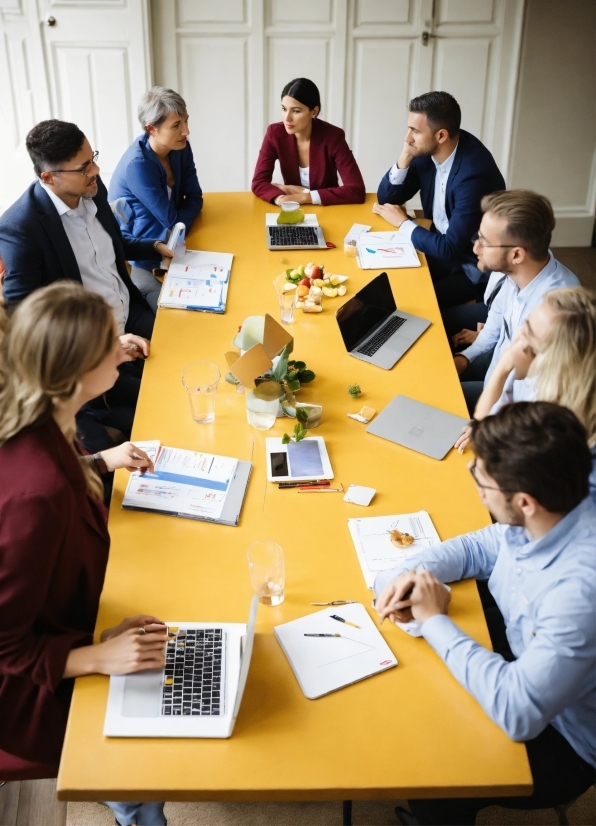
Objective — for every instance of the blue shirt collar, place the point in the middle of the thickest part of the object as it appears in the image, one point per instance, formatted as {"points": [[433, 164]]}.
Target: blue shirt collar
{"points": [[539, 553]]}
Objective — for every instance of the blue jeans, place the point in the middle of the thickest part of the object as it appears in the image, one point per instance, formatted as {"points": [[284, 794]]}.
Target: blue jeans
{"points": [[143, 814]]}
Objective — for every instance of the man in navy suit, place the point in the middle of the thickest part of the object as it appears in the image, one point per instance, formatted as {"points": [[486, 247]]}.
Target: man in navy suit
{"points": [[62, 227], [452, 170]]}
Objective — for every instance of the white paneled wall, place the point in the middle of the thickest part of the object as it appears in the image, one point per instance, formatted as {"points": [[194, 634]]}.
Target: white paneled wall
{"points": [[230, 60]]}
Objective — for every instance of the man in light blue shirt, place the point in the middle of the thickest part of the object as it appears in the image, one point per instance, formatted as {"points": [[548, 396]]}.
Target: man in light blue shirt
{"points": [[513, 240], [539, 685]]}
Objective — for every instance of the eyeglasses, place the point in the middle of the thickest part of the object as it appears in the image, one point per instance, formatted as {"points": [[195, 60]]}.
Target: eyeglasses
{"points": [[82, 170], [478, 239], [472, 469]]}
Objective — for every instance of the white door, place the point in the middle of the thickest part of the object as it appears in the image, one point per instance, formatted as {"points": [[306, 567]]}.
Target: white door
{"points": [[98, 65], [230, 61], [87, 62]]}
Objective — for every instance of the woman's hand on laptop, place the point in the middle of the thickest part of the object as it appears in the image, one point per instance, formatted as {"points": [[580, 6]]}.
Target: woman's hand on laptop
{"points": [[137, 644], [464, 439], [393, 601], [127, 456], [146, 621]]}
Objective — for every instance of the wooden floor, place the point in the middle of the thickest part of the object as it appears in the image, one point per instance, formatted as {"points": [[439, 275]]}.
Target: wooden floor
{"points": [[31, 803]]}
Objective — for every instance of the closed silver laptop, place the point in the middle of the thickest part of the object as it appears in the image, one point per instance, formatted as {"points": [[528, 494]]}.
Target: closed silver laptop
{"points": [[418, 426], [372, 327]]}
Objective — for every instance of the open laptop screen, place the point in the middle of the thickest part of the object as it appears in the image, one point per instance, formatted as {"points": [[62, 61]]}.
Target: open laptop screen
{"points": [[365, 311]]}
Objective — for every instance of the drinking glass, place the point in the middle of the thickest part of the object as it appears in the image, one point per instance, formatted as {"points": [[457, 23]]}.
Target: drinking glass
{"points": [[200, 379], [266, 570], [286, 298]]}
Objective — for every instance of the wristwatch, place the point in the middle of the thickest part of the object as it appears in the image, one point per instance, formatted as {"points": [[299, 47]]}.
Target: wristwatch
{"points": [[100, 464]]}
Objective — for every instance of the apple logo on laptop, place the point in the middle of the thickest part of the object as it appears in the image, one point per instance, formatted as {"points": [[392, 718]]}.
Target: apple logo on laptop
{"points": [[416, 431]]}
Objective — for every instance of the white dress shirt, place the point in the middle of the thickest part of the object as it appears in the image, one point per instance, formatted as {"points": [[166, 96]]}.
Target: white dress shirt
{"points": [[546, 590], [397, 176], [305, 182], [94, 250], [511, 308]]}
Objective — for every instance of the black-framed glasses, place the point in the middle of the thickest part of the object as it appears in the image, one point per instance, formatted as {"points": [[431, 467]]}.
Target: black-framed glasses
{"points": [[81, 170], [472, 469], [478, 239]]}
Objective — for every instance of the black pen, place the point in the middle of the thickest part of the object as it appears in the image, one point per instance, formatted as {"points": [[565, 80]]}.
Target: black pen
{"points": [[322, 635], [283, 485]]}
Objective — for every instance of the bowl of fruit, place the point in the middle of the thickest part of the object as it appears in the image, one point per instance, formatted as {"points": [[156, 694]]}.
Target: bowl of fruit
{"points": [[312, 284]]}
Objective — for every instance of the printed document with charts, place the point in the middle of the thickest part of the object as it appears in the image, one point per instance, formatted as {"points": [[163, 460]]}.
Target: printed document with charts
{"points": [[184, 483], [374, 548], [384, 251], [197, 280]]}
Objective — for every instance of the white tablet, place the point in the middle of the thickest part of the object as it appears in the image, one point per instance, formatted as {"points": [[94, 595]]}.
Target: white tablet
{"points": [[304, 461]]}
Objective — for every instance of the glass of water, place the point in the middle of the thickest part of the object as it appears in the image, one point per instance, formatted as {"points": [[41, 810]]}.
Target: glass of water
{"points": [[200, 379], [266, 570], [286, 295]]}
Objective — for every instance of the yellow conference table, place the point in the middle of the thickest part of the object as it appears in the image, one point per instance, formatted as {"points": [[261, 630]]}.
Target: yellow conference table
{"points": [[410, 732]]}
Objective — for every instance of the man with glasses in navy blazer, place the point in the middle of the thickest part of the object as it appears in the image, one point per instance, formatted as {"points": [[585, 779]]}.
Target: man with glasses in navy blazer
{"points": [[452, 170], [62, 227]]}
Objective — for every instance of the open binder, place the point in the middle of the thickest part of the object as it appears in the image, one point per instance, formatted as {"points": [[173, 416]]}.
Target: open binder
{"points": [[191, 485]]}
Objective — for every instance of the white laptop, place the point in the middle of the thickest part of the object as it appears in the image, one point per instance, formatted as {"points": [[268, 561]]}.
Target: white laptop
{"points": [[327, 652], [197, 694], [418, 426]]}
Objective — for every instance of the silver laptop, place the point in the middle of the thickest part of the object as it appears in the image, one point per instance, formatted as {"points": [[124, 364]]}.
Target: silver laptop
{"points": [[197, 694], [293, 237], [372, 327], [418, 426]]}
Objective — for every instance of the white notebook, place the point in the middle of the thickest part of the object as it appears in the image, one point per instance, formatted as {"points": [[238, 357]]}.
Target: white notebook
{"points": [[325, 664], [384, 251], [197, 280], [374, 548]]}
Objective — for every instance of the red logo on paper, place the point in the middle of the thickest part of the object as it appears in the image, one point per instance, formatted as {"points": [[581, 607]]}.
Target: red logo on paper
{"points": [[386, 662]]}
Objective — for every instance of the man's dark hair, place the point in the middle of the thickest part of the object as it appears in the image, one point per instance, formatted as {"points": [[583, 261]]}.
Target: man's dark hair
{"points": [[441, 109], [538, 448], [52, 143]]}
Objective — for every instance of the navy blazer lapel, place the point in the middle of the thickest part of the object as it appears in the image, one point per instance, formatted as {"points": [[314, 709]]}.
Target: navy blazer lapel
{"points": [[427, 192], [52, 223], [457, 161]]}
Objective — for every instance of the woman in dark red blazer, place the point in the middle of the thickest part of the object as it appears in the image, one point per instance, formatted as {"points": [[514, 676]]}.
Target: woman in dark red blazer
{"points": [[59, 350], [311, 154]]}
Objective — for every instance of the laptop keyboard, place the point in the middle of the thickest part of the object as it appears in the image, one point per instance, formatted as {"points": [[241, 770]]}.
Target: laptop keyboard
{"points": [[381, 336], [193, 673], [287, 236]]}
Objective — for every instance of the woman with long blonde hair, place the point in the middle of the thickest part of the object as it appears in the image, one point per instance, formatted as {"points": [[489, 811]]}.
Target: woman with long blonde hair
{"points": [[58, 350], [553, 358]]}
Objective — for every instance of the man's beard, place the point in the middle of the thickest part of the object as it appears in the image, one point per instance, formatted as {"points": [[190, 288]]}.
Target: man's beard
{"points": [[89, 195]]}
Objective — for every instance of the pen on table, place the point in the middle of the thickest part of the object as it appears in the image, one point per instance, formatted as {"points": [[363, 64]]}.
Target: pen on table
{"points": [[407, 595], [337, 602], [320, 489], [313, 483], [322, 635], [341, 619]]}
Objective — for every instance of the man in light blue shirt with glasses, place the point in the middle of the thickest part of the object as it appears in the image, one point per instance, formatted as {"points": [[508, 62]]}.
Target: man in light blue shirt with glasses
{"points": [[513, 242], [539, 684]]}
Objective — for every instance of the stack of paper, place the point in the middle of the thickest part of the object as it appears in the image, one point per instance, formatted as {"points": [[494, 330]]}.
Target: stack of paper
{"points": [[374, 548], [184, 483], [385, 250], [197, 280]]}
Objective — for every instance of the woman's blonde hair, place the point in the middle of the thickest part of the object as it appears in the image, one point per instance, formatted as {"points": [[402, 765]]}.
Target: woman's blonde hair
{"points": [[565, 367], [52, 339]]}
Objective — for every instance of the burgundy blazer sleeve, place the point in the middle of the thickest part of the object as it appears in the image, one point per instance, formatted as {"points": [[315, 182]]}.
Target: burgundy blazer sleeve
{"points": [[261, 180], [339, 157], [33, 528]]}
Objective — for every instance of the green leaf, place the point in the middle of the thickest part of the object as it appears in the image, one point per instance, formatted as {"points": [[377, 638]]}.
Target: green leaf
{"points": [[301, 414], [285, 439], [294, 385], [306, 376], [299, 365]]}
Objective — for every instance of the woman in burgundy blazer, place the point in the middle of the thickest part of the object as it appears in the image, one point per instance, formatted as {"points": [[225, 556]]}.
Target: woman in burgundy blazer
{"points": [[302, 142], [59, 349]]}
